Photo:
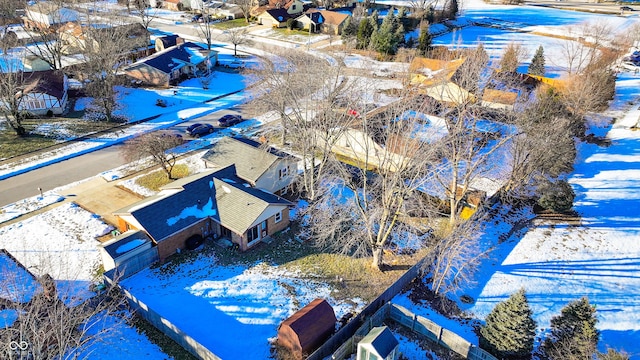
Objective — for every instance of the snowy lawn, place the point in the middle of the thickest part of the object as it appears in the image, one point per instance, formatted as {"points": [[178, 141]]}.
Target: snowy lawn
{"points": [[60, 242], [232, 310]]}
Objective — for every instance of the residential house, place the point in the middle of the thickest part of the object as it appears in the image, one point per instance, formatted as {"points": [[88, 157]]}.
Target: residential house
{"points": [[165, 42], [228, 11], [266, 168], [79, 38], [437, 79], [45, 14], [43, 92], [209, 204], [378, 344], [277, 12], [173, 5], [173, 64], [325, 21]]}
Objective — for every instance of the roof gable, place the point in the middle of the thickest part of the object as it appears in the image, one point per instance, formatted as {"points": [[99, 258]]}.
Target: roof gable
{"points": [[175, 57], [381, 339], [251, 162], [218, 195]]}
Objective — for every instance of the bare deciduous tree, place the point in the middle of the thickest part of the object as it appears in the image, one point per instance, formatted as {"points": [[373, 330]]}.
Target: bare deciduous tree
{"points": [[12, 93], [311, 105], [237, 36], [157, 146], [50, 322], [204, 27], [245, 6]]}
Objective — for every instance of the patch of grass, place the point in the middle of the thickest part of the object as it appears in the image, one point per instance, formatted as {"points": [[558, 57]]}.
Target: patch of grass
{"points": [[231, 24], [155, 180], [166, 344], [12, 145]]}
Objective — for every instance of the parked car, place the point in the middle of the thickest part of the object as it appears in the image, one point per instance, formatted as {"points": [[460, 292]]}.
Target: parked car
{"points": [[191, 127], [626, 8], [201, 130], [229, 120]]}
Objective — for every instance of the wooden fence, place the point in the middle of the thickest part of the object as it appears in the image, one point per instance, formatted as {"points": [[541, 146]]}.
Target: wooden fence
{"points": [[418, 324], [165, 326]]}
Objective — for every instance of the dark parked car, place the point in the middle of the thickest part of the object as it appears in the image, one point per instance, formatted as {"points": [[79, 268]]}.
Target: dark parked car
{"points": [[229, 120], [201, 130], [626, 8], [192, 126]]}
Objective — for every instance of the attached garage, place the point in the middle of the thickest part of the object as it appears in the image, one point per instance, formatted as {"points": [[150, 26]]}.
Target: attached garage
{"points": [[307, 329]]}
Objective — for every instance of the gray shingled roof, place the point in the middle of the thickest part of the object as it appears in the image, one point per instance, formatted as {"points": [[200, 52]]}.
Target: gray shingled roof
{"points": [[251, 161], [220, 195]]}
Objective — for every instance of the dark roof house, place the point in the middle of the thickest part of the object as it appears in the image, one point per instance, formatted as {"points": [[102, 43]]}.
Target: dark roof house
{"points": [[211, 203]]}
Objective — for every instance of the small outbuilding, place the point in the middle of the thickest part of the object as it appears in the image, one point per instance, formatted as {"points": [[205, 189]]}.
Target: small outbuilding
{"points": [[304, 331], [379, 344]]}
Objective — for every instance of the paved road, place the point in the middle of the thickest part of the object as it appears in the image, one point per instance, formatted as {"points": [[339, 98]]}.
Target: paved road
{"points": [[49, 177]]}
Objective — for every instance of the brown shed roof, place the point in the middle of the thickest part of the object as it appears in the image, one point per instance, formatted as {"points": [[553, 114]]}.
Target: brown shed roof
{"points": [[308, 328]]}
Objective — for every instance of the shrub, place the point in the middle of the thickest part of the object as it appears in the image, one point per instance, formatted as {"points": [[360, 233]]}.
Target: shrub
{"points": [[556, 196]]}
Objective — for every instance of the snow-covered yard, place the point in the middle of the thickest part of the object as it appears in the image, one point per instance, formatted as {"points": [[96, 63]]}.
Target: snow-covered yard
{"points": [[232, 310]]}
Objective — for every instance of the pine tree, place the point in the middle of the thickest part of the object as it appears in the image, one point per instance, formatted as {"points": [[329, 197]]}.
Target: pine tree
{"points": [[536, 67], [573, 333], [350, 30], [388, 36], [510, 59], [510, 330], [364, 34], [424, 40]]}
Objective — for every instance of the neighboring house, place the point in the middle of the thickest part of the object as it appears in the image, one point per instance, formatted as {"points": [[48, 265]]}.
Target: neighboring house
{"points": [[165, 42], [325, 21], [267, 169], [228, 11], [168, 67], [379, 344], [174, 5], [44, 93], [437, 79], [275, 17], [209, 204], [293, 7], [78, 38], [45, 14]]}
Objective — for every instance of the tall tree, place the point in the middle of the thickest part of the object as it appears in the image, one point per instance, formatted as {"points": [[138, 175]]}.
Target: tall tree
{"points": [[511, 58], [237, 36], [349, 31], [510, 330], [536, 67], [388, 36], [157, 146], [573, 333], [245, 6], [424, 39], [365, 29], [204, 27], [12, 93]]}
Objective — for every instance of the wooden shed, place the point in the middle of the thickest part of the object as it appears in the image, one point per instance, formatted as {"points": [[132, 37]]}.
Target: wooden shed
{"points": [[304, 331]]}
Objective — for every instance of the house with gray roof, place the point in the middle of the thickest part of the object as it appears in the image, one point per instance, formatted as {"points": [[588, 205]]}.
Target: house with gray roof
{"points": [[209, 204], [263, 167], [173, 64]]}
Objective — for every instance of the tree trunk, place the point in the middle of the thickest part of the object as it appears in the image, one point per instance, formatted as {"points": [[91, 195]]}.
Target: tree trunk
{"points": [[235, 50], [377, 257]]}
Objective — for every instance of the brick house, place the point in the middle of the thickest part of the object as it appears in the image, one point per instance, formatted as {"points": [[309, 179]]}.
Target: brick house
{"points": [[173, 64], [209, 204]]}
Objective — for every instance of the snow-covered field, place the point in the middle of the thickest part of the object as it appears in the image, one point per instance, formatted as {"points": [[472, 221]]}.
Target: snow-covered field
{"points": [[232, 310]]}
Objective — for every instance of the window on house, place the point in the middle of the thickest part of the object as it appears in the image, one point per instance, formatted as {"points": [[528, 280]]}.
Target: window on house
{"points": [[293, 7], [278, 217], [253, 233], [284, 172]]}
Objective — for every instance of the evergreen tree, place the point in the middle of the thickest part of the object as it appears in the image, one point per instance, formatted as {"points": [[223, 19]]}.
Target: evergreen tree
{"points": [[510, 60], [510, 329], [388, 37], [573, 333], [350, 30], [364, 34], [536, 67], [424, 40]]}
